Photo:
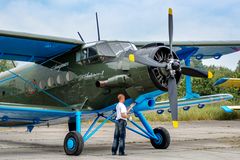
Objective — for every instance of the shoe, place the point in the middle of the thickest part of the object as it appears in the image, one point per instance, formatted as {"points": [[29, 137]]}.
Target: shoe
{"points": [[122, 154]]}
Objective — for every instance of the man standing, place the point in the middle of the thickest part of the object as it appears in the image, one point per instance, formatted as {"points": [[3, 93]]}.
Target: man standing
{"points": [[120, 126]]}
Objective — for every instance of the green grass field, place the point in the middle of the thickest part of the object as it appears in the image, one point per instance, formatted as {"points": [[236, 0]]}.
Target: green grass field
{"points": [[209, 112]]}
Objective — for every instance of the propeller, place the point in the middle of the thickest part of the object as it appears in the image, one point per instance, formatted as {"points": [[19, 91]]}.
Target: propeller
{"points": [[169, 66], [172, 86], [172, 95], [196, 72], [170, 28]]}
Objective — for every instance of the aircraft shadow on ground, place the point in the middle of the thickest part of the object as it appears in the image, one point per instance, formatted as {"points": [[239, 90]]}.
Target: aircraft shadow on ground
{"points": [[36, 148]]}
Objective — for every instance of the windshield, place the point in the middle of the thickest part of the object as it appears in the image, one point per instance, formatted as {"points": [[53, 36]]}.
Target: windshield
{"points": [[106, 48], [119, 47]]}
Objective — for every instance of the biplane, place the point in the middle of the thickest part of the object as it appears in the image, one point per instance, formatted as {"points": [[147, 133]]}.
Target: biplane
{"points": [[69, 81]]}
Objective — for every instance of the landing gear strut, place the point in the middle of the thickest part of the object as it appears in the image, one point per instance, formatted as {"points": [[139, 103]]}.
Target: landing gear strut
{"points": [[74, 142], [159, 137]]}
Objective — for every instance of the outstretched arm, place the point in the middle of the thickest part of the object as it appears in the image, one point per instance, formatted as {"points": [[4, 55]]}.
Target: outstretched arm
{"points": [[131, 106]]}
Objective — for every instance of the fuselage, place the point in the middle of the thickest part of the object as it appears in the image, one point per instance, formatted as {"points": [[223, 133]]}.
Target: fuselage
{"points": [[71, 79]]}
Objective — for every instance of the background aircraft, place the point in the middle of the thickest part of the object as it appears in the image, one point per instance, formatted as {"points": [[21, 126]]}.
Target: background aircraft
{"points": [[229, 82], [71, 80]]}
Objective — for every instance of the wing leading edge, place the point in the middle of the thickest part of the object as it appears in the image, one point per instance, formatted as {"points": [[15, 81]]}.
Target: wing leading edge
{"points": [[200, 49]]}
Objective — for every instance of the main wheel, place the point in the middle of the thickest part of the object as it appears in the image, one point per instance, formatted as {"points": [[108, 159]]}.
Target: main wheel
{"points": [[163, 138], [73, 143]]}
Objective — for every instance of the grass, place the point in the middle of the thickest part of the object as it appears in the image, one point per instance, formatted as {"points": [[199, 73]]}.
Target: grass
{"points": [[209, 112]]}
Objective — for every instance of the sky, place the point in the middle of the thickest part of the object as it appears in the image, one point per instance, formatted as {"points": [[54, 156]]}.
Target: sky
{"points": [[133, 20]]}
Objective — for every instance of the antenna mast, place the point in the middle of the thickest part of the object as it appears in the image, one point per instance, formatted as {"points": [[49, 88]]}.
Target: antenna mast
{"points": [[98, 32]]}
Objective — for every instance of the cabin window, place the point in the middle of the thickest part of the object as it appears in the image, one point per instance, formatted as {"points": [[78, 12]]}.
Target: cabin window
{"points": [[42, 84], [50, 82]]}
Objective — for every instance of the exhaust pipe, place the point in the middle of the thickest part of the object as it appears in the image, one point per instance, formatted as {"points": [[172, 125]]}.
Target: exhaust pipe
{"points": [[116, 81]]}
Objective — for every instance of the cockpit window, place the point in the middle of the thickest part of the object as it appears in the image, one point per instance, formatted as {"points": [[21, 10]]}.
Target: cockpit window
{"points": [[104, 49], [126, 46], [93, 51], [119, 47], [86, 53], [116, 47]]}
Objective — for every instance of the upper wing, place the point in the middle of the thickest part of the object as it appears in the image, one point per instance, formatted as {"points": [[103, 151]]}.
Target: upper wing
{"points": [[33, 48], [201, 49], [228, 82]]}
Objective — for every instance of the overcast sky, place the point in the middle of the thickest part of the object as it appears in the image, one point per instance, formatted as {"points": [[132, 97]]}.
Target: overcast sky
{"points": [[134, 20]]}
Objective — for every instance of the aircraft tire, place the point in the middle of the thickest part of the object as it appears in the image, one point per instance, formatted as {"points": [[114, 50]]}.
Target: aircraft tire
{"points": [[73, 143], [164, 138]]}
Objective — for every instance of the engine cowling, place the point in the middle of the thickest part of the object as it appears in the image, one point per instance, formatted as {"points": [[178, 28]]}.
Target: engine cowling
{"points": [[160, 76]]}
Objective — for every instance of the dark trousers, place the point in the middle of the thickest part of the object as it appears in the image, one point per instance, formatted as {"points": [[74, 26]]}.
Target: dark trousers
{"points": [[119, 137]]}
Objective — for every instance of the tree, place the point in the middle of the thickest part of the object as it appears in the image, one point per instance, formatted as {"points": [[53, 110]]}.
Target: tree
{"points": [[5, 65]]}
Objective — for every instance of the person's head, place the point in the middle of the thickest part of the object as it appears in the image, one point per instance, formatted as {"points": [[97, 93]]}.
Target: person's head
{"points": [[121, 98]]}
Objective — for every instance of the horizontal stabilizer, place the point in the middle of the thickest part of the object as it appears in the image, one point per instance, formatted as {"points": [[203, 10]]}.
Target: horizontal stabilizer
{"points": [[230, 109], [228, 82]]}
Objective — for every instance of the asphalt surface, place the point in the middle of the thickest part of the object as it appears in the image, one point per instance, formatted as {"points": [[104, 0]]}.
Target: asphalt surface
{"points": [[198, 140]]}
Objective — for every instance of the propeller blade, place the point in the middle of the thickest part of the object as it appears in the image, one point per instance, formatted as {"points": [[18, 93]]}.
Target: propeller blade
{"points": [[172, 94], [145, 60], [196, 72], [170, 28]]}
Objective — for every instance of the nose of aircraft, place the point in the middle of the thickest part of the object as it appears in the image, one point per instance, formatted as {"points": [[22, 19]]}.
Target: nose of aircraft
{"points": [[165, 69]]}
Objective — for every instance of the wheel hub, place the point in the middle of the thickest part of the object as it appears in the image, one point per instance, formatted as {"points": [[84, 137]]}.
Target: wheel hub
{"points": [[159, 138], [71, 143]]}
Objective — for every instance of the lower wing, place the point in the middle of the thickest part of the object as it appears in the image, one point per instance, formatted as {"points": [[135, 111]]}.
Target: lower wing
{"points": [[228, 82], [187, 103], [13, 114]]}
